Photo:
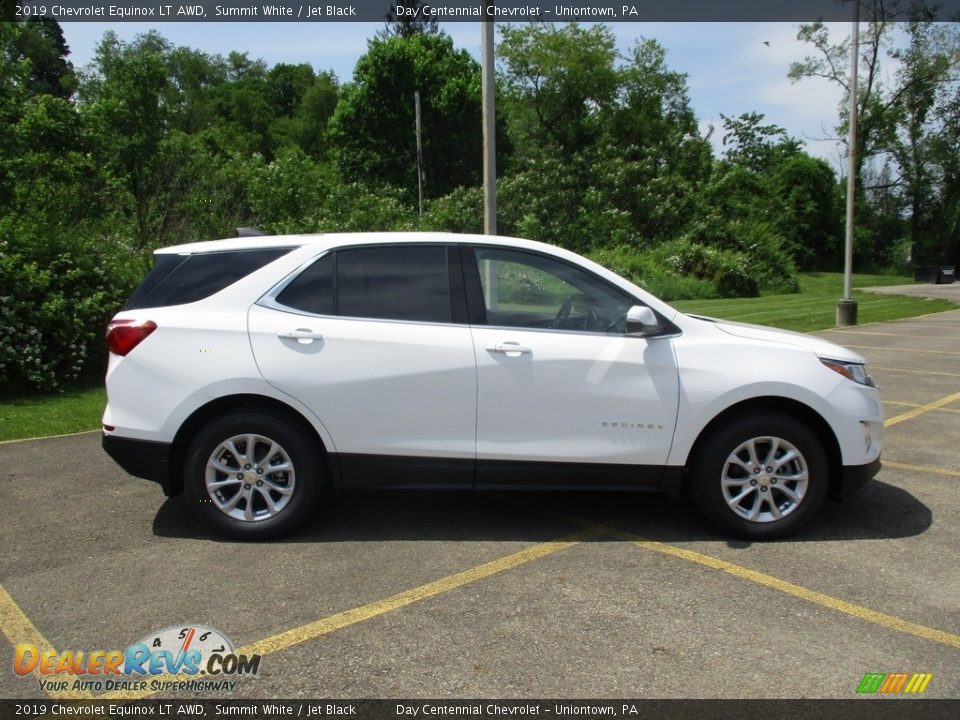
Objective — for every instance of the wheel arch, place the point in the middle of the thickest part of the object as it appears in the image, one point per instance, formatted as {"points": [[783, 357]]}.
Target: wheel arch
{"points": [[243, 401], [793, 408]]}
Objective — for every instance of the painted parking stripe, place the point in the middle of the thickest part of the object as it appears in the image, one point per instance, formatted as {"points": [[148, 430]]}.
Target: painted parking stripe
{"points": [[324, 626], [915, 372], [916, 405], [917, 411], [17, 627], [900, 350], [46, 437], [769, 581], [922, 468], [774, 583], [886, 334]]}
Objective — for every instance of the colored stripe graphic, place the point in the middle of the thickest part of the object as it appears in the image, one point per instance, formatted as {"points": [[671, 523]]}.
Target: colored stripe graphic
{"points": [[894, 683], [871, 682]]}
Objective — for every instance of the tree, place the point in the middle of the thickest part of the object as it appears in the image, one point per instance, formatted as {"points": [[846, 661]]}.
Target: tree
{"points": [[754, 146], [372, 129], [407, 18], [33, 64], [125, 100], [617, 133], [927, 64], [303, 103], [558, 82], [940, 236], [807, 211], [897, 116], [39, 47]]}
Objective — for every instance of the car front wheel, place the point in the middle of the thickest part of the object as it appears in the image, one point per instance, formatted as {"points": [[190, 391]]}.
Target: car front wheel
{"points": [[761, 477], [252, 474]]}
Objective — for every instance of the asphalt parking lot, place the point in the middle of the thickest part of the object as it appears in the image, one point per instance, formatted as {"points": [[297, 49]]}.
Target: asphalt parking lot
{"points": [[517, 595]]}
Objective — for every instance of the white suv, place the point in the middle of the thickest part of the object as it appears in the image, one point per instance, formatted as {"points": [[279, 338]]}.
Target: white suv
{"points": [[253, 373]]}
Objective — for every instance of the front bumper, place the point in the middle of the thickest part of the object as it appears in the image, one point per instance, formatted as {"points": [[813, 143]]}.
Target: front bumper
{"points": [[852, 478], [141, 458]]}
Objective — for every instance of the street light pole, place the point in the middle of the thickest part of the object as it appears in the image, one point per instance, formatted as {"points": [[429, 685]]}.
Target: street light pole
{"points": [[847, 307], [489, 129], [420, 173]]}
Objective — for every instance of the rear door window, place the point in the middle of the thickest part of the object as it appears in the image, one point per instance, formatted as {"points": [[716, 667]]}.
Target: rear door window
{"points": [[398, 282], [312, 290], [394, 283]]}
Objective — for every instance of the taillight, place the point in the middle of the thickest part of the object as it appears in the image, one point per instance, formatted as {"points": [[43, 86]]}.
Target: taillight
{"points": [[124, 335]]}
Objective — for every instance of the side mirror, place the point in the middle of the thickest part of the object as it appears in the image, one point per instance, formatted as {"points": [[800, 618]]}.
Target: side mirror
{"points": [[641, 320]]}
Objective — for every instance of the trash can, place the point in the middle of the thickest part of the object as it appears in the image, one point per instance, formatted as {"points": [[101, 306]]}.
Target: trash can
{"points": [[936, 274]]}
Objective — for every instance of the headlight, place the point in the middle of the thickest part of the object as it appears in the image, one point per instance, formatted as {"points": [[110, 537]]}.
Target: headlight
{"points": [[857, 372]]}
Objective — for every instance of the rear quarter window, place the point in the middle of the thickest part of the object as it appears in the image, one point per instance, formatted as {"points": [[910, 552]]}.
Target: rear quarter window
{"points": [[181, 279]]}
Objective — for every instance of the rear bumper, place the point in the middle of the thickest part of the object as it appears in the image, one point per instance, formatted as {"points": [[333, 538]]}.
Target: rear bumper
{"points": [[852, 478], [141, 458]]}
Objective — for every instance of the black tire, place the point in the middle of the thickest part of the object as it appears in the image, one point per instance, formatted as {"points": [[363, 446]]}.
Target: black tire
{"points": [[717, 485], [293, 493]]}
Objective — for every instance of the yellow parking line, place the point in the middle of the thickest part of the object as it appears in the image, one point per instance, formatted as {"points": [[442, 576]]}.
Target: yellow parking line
{"points": [[769, 581], [324, 626], [774, 583], [910, 414], [916, 405], [922, 468], [915, 372], [900, 350], [47, 437], [18, 629], [408, 597], [883, 334]]}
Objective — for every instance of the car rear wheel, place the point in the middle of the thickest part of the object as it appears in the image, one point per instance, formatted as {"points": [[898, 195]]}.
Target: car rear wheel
{"points": [[761, 477], [252, 474]]}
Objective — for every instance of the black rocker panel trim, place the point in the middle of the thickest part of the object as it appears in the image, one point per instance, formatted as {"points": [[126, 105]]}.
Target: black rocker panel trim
{"points": [[364, 471]]}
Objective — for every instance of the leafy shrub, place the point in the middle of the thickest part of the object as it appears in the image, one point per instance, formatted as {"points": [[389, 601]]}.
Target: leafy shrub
{"points": [[53, 311], [726, 269], [460, 211], [648, 270], [747, 247]]}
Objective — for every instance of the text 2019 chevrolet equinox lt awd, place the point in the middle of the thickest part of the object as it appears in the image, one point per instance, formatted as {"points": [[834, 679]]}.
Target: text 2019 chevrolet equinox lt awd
{"points": [[252, 373]]}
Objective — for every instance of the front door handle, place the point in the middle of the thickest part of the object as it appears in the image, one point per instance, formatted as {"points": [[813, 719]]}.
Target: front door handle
{"points": [[304, 336], [508, 348]]}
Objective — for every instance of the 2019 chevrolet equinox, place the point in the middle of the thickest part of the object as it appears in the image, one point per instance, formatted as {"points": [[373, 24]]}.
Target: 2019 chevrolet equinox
{"points": [[252, 373]]}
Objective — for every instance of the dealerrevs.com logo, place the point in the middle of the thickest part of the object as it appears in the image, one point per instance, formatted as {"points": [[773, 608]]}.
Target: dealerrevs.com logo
{"points": [[201, 657], [897, 683]]}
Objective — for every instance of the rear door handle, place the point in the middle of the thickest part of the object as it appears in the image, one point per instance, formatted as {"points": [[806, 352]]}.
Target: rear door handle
{"points": [[508, 348], [304, 336]]}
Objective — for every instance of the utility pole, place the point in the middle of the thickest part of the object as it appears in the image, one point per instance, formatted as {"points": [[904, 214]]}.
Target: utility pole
{"points": [[420, 173], [489, 129], [847, 307]]}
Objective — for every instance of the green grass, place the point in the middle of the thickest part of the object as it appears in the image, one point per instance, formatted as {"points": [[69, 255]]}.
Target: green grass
{"points": [[815, 306], [56, 414]]}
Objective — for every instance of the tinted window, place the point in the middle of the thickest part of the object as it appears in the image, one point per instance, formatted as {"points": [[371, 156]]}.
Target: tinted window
{"points": [[395, 283], [163, 265], [198, 276], [312, 290], [523, 289]]}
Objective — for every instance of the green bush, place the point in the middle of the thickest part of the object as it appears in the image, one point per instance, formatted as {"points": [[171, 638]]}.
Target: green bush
{"points": [[748, 247], [53, 312], [461, 211], [729, 271], [648, 270]]}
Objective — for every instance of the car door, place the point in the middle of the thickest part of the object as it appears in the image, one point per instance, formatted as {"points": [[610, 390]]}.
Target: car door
{"points": [[373, 340], [561, 387]]}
